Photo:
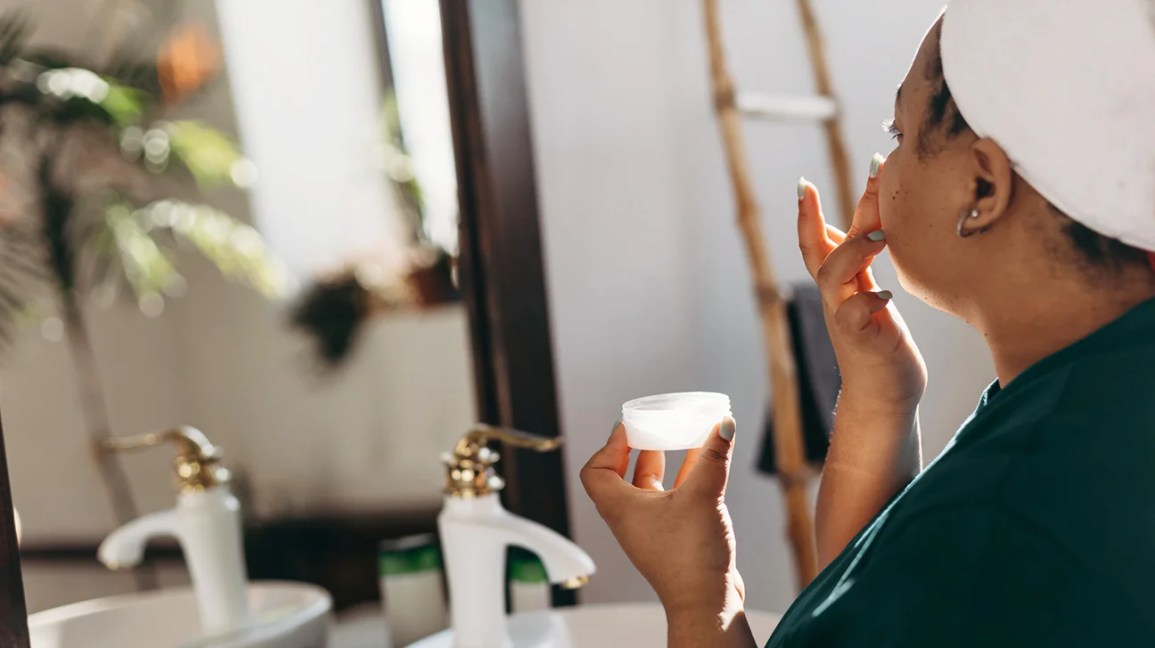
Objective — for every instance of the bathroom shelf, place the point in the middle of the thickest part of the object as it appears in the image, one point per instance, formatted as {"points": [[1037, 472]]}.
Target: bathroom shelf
{"points": [[786, 108]]}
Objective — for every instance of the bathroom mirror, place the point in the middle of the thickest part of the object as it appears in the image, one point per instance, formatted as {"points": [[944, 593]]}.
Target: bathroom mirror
{"points": [[363, 301]]}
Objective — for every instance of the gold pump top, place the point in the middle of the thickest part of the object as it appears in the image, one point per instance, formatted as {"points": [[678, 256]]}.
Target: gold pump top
{"points": [[197, 464], [470, 465]]}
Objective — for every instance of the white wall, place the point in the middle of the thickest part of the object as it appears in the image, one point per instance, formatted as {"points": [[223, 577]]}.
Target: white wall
{"points": [[647, 278], [222, 359], [307, 91]]}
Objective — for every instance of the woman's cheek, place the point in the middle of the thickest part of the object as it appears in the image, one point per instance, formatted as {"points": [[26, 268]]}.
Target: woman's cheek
{"points": [[891, 214], [887, 204]]}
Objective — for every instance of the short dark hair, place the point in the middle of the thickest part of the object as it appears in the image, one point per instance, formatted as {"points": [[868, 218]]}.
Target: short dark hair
{"points": [[942, 113], [945, 119]]}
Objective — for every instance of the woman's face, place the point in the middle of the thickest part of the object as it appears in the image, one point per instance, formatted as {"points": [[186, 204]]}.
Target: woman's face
{"points": [[924, 188]]}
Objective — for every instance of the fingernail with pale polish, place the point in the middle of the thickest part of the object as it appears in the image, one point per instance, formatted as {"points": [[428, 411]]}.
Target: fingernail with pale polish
{"points": [[876, 236], [876, 164], [729, 427], [886, 295], [802, 188]]}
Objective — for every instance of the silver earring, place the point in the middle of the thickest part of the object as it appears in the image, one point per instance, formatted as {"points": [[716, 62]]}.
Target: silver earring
{"points": [[963, 217]]}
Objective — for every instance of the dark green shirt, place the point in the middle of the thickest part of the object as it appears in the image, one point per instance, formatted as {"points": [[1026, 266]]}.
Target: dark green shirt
{"points": [[1035, 527]]}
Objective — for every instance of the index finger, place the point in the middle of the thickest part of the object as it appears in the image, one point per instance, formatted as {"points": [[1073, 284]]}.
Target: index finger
{"points": [[812, 229], [650, 470], [606, 469], [687, 465], [866, 216]]}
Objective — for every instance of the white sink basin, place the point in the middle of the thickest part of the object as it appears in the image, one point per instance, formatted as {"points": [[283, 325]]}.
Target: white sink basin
{"points": [[637, 625], [285, 615]]}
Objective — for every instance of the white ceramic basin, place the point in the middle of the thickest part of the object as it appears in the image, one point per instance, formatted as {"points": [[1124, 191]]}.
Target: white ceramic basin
{"points": [[285, 615], [637, 625]]}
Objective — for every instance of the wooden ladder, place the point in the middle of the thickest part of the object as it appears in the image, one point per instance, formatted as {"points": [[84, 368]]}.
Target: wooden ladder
{"points": [[794, 474]]}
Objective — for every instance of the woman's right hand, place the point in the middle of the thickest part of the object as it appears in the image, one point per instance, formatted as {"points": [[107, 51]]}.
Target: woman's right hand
{"points": [[880, 364]]}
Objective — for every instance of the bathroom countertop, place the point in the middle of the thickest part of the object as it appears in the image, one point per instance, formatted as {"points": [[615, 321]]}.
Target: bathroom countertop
{"points": [[360, 627], [640, 625]]}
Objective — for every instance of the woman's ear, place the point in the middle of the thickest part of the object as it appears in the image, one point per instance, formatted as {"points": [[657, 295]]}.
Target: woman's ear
{"points": [[993, 182]]}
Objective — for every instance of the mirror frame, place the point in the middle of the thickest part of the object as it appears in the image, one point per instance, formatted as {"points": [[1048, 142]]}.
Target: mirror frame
{"points": [[500, 268], [503, 276]]}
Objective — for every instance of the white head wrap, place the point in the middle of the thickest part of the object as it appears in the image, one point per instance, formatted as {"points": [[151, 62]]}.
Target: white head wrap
{"points": [[1067, 88]]}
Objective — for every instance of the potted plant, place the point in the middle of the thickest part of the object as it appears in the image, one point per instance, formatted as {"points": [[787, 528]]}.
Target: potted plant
{"points": [[333, 310], [92, 170]]}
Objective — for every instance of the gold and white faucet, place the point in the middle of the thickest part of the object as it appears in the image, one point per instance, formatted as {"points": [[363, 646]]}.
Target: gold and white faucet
{"points": [[476, 530], [206, 522]]}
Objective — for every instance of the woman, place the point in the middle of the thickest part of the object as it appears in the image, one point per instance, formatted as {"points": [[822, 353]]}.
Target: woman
{"points": [[1020, 197]]}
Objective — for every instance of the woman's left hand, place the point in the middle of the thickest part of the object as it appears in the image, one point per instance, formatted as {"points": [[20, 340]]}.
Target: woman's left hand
{"points": [[681, 540]]}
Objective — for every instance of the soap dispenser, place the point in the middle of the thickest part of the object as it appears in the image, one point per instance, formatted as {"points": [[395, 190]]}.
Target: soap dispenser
{"points": [[476, 532], [206, 522]]}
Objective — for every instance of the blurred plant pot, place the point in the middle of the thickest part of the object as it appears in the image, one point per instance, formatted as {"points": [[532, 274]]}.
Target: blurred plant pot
{"points": [[432, 278]]}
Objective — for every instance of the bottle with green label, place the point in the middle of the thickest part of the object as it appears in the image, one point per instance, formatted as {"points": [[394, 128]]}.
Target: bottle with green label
{"points": [[529, 588], [412, 588]]}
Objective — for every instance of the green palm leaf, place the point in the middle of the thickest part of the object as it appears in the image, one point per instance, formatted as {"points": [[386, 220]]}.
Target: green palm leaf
{"points": [[235, 248], [124, 104], [13, 34], [23, 276], [209, 155], [147, 268]]}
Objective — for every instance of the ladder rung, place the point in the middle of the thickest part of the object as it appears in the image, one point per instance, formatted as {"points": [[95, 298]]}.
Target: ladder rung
{"points": [[781, 108]]}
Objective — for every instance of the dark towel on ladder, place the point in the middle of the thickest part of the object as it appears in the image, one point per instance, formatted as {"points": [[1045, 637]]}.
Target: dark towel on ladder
{"points": [[818, 378]]}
